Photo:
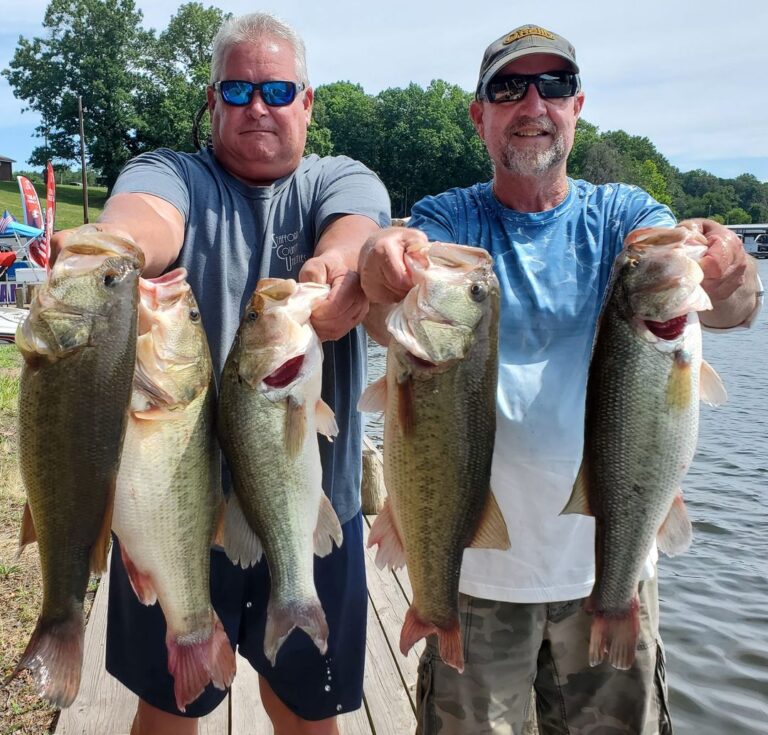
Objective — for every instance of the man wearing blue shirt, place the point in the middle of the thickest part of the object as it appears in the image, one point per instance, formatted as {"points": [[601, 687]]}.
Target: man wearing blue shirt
{"points": [[554, 241]]}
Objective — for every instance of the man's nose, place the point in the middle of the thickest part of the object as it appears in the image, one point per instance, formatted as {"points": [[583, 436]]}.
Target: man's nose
{"points": [[257, 106], [532, 101]]}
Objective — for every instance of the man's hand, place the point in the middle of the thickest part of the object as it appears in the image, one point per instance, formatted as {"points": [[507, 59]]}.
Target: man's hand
{"points": [[730, 276], [346, 305], [383, 274], [725, 262]]}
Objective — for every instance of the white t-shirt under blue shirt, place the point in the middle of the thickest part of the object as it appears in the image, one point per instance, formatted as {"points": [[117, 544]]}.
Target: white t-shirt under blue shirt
{"points": [[553, 268]]}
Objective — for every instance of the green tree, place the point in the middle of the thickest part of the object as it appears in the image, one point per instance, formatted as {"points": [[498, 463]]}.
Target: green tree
{"points": [[737, 216], [177, 73], [92, 48], [648, 177]]}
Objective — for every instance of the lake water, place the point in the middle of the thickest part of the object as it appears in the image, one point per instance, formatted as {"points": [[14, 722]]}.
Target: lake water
{"points": [[714, 598]]}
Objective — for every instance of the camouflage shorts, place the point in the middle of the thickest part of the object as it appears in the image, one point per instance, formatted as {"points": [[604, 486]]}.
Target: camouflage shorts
{"points": [[513, 650]]}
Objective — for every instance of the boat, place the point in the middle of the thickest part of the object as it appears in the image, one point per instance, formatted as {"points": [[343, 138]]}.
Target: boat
{"points": [[754, 237]]}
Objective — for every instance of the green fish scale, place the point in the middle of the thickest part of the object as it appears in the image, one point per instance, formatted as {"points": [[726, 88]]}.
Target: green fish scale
{"points": [[440, 473], [72, 416], [271, 487], [638, 449]]}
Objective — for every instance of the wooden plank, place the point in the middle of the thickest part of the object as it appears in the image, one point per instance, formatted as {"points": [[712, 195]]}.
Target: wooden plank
{"points": [[386, 699], [103, 705], [249, 717], [390, 605]]}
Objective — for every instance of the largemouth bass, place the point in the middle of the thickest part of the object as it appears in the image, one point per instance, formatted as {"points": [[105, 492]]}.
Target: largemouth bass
{"points": [[645, 380], [439, 398], [79, 345], [270, 411], [168, 487]]}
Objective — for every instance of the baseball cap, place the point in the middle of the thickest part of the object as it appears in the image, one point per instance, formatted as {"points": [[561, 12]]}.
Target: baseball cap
{"points": [[527, 39]]}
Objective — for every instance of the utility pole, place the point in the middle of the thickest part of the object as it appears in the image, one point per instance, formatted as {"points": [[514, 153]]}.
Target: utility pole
{"points": [[82, 160]]}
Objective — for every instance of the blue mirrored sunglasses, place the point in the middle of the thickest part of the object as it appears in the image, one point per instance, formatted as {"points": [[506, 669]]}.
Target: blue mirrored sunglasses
{"points": [[275, 94], [550, 85]]}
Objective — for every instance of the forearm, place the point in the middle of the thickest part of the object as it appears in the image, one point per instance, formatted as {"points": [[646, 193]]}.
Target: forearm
{"points": [[343, 239], [736, 309], [155, 225]]}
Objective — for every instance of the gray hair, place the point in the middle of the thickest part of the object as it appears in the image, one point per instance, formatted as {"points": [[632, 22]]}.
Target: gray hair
{"points": [[252, 28]]}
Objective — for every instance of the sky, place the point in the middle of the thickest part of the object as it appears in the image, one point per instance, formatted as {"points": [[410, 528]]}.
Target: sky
{"points": [[690, 75]]}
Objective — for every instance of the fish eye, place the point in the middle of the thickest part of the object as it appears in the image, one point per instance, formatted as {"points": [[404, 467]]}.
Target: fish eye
{"points": [[478, 292], [194, 315], [252, 316], [110, 278]]}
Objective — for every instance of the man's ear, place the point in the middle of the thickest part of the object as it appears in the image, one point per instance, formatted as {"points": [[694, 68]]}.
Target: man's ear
{"points": [[210, 94], [578, 103], [308, 101], [476, 113]]}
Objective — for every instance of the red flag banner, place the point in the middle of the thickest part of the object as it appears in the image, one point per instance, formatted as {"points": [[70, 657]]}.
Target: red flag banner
{"points": [[30, 204], [44, 253]]}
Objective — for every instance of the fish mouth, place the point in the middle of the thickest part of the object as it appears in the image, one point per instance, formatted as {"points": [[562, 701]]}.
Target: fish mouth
{"points": [[668, 330], [286, 373], [420, 362]]}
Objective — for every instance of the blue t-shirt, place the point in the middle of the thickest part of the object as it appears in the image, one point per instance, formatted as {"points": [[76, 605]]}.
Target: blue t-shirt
{"points": [[553, 269], [235, 234]]}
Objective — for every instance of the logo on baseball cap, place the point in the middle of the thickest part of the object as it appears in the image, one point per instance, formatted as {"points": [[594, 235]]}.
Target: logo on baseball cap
{"points": [[522, 41]]}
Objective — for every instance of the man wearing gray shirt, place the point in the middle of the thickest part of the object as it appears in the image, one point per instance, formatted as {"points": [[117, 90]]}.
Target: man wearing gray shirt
{"points": [[247, 207]]}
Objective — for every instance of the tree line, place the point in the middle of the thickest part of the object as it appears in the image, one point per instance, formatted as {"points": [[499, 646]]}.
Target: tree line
{"points": [[141, 90]]}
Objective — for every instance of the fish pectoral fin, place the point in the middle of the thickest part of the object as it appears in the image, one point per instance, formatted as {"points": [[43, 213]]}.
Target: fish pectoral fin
{"points": [[100, 548], [328, 529], [295, 426], [675, 533], [325, 420], [491, 530], [679, 383], [385, 532], [711, 388], [140, 581], [28, 534], [579, 500], [374, 398], [240, 542]]}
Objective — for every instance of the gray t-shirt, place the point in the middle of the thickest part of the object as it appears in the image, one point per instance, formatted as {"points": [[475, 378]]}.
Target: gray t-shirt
{"points": [[227, 224]]}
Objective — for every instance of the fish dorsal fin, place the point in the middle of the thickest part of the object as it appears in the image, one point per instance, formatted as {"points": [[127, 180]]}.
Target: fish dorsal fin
{"points": [[385, 532], [579, 500], [492, 530], [241, 544], [328, 529], [675, 534], [374, 398], [100, 548], [295, 426], [711, 387], [28, 534], [325, 420]]}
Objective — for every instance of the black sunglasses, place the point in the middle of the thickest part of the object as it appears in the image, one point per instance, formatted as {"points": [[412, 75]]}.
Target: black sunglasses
{"points": [[550, 85], [275, 94]]}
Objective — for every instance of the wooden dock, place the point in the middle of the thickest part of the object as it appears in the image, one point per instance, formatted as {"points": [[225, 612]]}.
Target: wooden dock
{"points": [[105, 707]]}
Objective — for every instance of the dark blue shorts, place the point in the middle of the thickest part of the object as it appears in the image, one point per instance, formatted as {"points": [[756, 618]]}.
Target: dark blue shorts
{"points": [[137, 657]]}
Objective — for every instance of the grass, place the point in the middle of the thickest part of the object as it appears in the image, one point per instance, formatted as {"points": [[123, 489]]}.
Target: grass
{"points": [[22, 712], [69, 206]]}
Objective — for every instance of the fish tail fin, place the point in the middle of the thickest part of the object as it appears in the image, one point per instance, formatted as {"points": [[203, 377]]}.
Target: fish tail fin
{"points": [[188, 665], [675, 534], [282, 619], [141, 582], [448, 639], [615, 634], [385, 533], [222, 664], [54, 655]]}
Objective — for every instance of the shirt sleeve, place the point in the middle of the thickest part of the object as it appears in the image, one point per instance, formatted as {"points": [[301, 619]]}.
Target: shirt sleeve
{"points": [[159, 173], [348, 187], [430, 215]]}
